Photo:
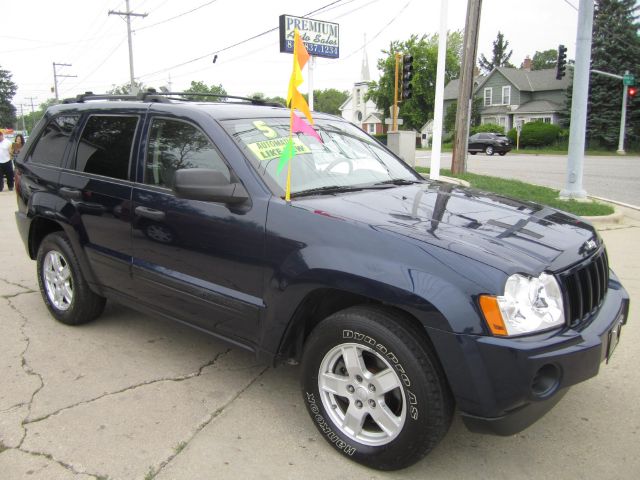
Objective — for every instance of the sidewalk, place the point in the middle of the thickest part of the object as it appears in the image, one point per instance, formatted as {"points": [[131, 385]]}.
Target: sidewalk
{"points": [[132, 397]]}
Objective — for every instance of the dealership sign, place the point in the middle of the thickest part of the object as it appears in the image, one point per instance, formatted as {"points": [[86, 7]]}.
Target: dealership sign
{"points": [[321, 39]]}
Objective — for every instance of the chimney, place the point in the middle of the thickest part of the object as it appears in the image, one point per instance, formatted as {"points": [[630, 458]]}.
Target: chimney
{"points": [[526, 65]]}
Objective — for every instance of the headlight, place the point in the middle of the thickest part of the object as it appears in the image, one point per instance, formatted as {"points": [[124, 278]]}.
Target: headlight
{"points": [[528, 305]]}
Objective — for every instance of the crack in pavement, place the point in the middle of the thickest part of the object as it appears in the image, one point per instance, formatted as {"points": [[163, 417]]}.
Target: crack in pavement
{"points": [[14, 284], [64, 465], [153, 472], [26, 368], [180, 378]]}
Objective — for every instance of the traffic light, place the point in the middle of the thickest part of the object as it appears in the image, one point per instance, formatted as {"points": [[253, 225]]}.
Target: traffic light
{"points": [[407, 75], [561, 64], [632, 91]]}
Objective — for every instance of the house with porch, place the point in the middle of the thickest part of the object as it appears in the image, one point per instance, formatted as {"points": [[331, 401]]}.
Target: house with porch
{"points": [[513, 96]]}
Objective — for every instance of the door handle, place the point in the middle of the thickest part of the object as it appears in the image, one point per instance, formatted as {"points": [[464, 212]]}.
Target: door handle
{"points": [[71, 193], [150, 213]]}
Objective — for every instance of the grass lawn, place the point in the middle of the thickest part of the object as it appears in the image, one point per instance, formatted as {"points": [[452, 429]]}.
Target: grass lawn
{"points": [[526, 191]]}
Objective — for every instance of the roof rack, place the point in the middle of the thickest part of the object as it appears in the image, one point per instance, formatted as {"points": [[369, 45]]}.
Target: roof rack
{"points": [[151, 95]]}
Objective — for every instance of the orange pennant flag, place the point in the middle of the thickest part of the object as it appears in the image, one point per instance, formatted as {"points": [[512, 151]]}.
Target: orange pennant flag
{"points": [[299, 50]]}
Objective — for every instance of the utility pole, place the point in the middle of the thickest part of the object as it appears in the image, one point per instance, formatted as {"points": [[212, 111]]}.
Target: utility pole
{"points": [[24, 129], [577, 130], [32, 109], [129, 14], [56, 75], [465, 91]]}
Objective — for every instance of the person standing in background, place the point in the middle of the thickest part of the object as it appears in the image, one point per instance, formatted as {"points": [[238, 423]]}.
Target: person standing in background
{"points": [[6, 167], [15, 148]]}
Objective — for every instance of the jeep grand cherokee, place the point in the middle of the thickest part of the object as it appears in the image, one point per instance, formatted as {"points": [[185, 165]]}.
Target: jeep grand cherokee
{"points": [[402, 298]]}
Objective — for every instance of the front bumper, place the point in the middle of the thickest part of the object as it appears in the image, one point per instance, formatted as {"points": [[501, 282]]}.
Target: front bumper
{"points": [[503, 385]]}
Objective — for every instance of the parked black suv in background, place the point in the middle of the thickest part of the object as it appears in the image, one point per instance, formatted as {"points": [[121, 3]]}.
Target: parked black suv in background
{"points": [[489, 143], [402, 298]]}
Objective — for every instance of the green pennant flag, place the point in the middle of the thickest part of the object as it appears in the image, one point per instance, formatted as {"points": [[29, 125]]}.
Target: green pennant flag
{"points": [[287, 154]]}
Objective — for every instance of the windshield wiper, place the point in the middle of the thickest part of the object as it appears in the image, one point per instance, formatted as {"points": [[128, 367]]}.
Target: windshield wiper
{"points": [[398, 181], [329, 189]]}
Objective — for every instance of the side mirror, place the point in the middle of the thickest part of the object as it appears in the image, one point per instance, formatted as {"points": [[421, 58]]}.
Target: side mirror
{"points": [[207, 185]]}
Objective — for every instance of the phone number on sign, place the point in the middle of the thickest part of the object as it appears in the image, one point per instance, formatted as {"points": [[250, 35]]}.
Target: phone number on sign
{"points": [[316, 49]]}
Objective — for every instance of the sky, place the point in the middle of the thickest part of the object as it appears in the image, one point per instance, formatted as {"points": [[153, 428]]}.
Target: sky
{"points": [[175, 43]]}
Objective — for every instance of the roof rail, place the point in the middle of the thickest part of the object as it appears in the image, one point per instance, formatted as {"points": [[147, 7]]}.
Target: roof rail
{"points": [[252, 100], [151, 95]]}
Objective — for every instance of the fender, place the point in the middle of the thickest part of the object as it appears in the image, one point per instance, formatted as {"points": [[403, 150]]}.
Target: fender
{"points": [[44, 205]]}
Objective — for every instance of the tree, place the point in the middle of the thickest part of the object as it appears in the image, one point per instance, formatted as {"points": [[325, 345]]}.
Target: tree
{"points": [[7, 91], [32, 118], [543, 60], [615, 48], [500, 56], [201, 87], [262, 97], [419, 108], [329, 100], [125, 88], [449, 122]]}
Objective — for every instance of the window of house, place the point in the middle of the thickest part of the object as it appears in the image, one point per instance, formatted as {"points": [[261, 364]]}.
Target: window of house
{"points": [[488, 93], [174, 145], [371, 128], [50, 147], [502, 121], [105, 145], [506, 95], [357, 96]]}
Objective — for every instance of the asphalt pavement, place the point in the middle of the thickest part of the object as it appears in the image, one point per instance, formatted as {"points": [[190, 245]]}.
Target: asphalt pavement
{"points": [[132, 397], [615, 177]]}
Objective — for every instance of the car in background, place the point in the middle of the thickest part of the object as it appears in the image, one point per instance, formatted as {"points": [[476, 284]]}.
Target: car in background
{"points": [[489, 143]]}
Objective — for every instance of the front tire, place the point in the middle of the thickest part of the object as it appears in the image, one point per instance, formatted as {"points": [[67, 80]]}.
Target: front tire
{"points": [[374, 387], [488, 150], [62, 285]]}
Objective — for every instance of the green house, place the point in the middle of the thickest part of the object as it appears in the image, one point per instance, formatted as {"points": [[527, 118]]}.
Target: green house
{"points": [[513, 96]]}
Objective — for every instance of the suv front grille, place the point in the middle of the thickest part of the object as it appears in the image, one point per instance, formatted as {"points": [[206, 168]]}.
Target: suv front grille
{"points": [[585, 287]]}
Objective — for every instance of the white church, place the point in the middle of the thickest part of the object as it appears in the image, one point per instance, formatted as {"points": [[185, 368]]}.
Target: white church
{"points": [[356, 110]]}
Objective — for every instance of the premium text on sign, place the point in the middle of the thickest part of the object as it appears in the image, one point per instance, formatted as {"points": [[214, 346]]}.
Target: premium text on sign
{"points": [[321, 39]]}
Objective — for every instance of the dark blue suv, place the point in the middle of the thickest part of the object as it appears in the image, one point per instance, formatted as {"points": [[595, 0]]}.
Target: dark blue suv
{"points": [[402, 298]]}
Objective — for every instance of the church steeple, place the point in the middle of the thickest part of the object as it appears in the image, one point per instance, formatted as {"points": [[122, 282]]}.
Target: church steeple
{"points": [[365, 76]]}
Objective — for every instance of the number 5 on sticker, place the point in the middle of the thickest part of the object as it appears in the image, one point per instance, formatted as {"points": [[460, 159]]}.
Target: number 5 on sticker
{"points": [[267, 131]]}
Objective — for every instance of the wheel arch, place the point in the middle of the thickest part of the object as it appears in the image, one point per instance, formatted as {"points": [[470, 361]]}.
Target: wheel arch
{"points": [[320, 303]]}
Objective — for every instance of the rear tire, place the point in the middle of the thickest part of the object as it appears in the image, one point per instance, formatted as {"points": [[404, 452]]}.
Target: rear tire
{"points": [[488, 150], [374, 387], [62, 285], [502, 154], [473, 153]]}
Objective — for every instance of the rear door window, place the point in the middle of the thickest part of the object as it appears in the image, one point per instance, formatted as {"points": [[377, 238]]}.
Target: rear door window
{"points": [[50, 147], [106, 144]]}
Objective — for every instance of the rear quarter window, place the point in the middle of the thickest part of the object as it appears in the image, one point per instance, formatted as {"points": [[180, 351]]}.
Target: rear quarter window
{"points": [[50, 146]]}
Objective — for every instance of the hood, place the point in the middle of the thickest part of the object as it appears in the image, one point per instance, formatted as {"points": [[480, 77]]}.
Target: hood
{"points": [[511, 235]]}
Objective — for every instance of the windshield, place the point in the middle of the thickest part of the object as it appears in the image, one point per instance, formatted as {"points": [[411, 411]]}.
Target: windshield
{"points": [[345, 158]]}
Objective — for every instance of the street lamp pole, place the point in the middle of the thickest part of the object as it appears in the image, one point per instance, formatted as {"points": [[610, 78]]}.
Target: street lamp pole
{"points": [[623, 118]]}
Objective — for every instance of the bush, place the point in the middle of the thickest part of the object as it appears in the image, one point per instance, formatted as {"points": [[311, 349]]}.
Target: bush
{"points": [[381, 137], [539, 134], [512, 134], [487, 127]]}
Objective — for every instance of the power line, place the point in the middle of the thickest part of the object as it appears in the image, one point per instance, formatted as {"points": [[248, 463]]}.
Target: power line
{"points": [[234, 45], [571, 5], [177, 16]]}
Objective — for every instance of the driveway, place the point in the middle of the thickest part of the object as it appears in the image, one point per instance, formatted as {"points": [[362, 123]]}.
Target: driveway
{"points": [[613, 177], [132, 397]]}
